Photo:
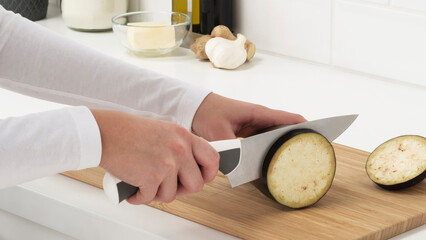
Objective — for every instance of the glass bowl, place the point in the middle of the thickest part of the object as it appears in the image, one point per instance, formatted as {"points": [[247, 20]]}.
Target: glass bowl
{"points": [[151, 33]]}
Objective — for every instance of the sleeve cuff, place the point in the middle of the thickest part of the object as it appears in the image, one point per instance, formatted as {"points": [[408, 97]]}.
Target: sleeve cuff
{"points": [[189, 105], [90, 137]]}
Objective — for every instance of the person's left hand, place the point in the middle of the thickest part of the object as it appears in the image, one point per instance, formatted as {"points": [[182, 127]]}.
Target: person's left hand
{"points": [[220, 118]]}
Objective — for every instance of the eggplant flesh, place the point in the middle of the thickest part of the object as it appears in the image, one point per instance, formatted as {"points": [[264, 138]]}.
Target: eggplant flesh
{"points": [[300, 168], [398, 163]]}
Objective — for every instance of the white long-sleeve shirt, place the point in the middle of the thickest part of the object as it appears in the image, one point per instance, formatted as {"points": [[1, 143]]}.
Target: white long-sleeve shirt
{"points": [[39, 63]]}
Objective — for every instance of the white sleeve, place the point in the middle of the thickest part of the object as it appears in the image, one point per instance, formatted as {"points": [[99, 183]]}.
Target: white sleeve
{"points": [[40, 63], [37, 62], [46, 143]]}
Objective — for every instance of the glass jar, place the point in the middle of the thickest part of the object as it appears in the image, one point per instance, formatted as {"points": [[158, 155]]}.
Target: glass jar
{"points": [[91, 15]]}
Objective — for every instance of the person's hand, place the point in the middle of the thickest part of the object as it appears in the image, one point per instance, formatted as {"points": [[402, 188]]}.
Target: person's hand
{"points": [[220, 118], [161, 158]]}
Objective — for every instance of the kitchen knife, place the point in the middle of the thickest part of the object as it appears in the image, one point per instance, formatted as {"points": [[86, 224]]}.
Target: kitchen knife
{"points": [[241, 160]]}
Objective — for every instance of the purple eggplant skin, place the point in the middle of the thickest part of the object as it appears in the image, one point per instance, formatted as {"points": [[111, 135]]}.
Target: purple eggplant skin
{"points": [[404, 185]]}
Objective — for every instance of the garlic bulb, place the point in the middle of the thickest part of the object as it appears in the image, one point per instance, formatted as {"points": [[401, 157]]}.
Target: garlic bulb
{"points": [[228, 54]]}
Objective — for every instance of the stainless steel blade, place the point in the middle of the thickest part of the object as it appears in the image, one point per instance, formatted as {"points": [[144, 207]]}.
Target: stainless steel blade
{"points": [[255, 148]]}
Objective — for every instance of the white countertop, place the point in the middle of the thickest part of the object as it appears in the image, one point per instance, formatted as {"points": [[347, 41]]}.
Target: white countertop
{"points": [[387, 109]]}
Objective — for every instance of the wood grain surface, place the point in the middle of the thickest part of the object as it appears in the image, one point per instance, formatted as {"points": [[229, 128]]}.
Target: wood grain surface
{"points": [[354, 207]]}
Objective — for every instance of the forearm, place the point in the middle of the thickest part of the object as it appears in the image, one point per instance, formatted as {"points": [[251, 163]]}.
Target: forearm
{"points": [[47, 143], [37, 62]]}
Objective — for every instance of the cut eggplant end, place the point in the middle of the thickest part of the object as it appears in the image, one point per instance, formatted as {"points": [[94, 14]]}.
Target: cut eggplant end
{"points": [[398, 163], [300, 168]]}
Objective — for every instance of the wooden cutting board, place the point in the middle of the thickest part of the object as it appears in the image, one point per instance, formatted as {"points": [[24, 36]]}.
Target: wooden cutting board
{"points": [[354, 207]]}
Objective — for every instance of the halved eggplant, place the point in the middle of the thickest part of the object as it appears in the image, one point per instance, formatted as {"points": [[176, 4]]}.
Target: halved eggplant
{"points": [[299, 168], [398, 163]]}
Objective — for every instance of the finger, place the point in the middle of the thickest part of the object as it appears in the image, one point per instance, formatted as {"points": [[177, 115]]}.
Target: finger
{"points": [[145, 195], [262, 118], [167, 190], [265, 117], [206, 157], [285, 118], [277, 117], [190, 178]]}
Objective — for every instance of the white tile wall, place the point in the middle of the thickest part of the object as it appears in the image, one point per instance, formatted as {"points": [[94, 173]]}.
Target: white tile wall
{"points": [[380, 41], [153, 5], [298, 28], [419, 5], [378, 1]]}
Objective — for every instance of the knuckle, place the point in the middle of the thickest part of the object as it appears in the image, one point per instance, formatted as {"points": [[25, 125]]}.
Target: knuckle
{"points": [[181, 131], [177, 148], [169, 166]]}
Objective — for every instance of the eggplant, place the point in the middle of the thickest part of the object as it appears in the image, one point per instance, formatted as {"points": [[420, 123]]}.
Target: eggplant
{"points": [[398, 163], [299, 168]]}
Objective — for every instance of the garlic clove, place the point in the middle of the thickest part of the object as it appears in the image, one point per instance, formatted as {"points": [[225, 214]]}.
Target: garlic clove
{"points": [[227, 54]]}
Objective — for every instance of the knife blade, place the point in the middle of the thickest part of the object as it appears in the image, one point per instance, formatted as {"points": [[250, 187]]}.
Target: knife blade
{"points": [[241, 160], [248, 166]]}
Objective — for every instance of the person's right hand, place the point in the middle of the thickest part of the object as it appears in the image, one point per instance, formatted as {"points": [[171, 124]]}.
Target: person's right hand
{"points": [[161, 158]]}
